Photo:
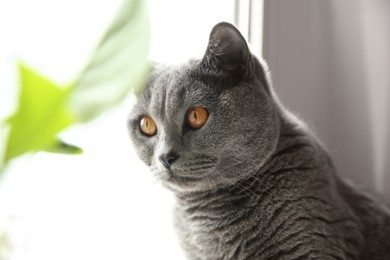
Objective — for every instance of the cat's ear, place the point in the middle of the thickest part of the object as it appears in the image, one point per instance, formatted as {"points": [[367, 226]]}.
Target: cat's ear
{"points": [[227, 48]]}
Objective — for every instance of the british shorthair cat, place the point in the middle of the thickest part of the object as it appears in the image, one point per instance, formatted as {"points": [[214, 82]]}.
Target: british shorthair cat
{"points": [[251, 181]]}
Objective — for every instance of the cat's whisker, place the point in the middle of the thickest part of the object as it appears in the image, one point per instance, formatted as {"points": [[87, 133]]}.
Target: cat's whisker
{"points": [[249, 193], [155, 180]]}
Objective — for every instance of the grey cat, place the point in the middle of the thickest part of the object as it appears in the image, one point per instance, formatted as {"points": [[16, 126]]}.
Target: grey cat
{"points": [[251, 181]]}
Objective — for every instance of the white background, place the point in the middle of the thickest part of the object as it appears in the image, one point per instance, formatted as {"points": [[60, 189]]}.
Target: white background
{"points": [[103, 204]]}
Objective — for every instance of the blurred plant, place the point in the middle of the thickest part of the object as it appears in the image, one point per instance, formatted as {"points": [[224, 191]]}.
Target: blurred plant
{"points": [[118, 65], [5, 245]]}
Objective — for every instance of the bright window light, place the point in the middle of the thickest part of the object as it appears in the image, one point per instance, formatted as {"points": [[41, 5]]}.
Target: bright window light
{"points": [[103, 204]]}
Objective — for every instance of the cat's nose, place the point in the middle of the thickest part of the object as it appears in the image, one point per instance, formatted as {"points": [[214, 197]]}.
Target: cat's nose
{"points": [[168, 158]]}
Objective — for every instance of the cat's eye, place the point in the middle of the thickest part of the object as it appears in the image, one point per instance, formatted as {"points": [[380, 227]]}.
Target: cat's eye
{"points": [[148, 126], [197, 117]]}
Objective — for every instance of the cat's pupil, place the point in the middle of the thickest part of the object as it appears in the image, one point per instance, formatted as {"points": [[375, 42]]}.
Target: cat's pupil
{"points": [[195, 116], [147, 123]]}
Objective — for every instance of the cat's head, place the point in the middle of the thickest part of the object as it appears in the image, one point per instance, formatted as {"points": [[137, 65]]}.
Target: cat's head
{"points": [[210, 122]]}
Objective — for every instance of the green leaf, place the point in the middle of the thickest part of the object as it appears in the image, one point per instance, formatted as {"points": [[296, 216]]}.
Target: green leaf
{"points": [[4, 130], [118, 66], [61, 147], [41, 114]]}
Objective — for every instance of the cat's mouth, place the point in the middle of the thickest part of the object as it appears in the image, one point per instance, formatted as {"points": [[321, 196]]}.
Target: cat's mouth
{"points": [[175, 177], [176, 181], [184, 175], [178, 175]]}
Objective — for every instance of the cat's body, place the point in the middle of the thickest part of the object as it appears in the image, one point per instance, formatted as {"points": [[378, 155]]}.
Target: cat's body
{"points": [[251, 182], [284, 212]]}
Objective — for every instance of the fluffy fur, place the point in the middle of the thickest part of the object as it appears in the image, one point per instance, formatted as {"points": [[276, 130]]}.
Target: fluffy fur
{"points": [[253, 182]]}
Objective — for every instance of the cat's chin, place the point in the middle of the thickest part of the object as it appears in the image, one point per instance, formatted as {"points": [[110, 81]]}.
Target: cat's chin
{"points": [[181, 184], [178, 183], [185, 177]]}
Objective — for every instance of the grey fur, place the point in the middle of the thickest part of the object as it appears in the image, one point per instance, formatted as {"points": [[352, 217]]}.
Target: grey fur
{"points": [[253, 182]]}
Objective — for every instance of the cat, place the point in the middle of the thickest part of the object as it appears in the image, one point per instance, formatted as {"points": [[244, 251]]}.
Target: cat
{"points": [[250, 179]]}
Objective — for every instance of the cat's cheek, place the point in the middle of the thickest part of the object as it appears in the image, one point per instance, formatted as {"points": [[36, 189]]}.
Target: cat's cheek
{"points": [[145, 157], [144, 150]]}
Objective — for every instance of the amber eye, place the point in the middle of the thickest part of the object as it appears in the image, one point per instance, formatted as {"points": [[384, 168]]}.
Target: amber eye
{"points": [[197, 117], [148, 126]]}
